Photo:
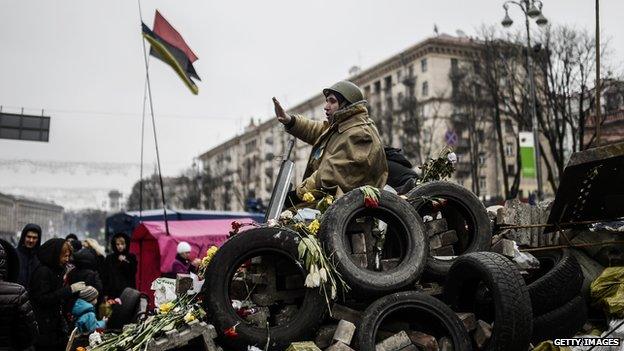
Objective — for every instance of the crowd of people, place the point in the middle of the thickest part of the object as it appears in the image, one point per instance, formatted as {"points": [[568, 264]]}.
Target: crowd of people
{"points": [[48, 289]]}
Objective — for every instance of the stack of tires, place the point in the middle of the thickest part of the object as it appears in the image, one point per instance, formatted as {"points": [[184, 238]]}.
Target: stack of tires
{"points": [[559, 307]]}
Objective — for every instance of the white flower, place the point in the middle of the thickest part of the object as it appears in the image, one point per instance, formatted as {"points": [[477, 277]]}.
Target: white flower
{"points": [[272, 222], [95, 339], [316, 279], [253, 348], [286, 215], [236, 304], [334, 292], [452, 157], [309, 283], [323, 273]]}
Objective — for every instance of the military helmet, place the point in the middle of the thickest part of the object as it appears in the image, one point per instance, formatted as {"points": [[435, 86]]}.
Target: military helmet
{"points": [[351, 92]]}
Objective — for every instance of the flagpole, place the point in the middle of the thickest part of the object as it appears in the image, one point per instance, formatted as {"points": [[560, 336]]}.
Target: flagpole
{"points": [[142, 143], [149, 93]]}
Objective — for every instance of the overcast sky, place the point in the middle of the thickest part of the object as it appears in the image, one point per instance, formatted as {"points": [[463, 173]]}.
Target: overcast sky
{"points": [[82, 62]]}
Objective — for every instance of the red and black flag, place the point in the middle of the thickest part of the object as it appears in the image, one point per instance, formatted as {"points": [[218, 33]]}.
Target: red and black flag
{"points": [[169, 46]]}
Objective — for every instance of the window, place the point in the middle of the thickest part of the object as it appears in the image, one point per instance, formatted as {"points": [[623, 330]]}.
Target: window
{"points": [[481, 135], [377, 87], [511, 170], [425, 89], [399, 73], [388, 83], [477, 89], [482, 182], [367, 91], [250, 146], [410, 71], [454, 64], [508, 149], [423, 65], [477, 67], [455, 88], [508, 126], [481, 158]]}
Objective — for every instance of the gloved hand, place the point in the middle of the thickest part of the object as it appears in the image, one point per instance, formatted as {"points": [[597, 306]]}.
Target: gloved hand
{"points": [[78, 286]]}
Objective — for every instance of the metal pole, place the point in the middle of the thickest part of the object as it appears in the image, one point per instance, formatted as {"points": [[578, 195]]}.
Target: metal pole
{"points": [[598, 118], [534, 122]]}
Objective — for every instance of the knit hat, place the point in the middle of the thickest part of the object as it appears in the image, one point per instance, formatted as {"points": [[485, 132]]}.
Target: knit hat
{"points": [[183, 246], [89, 293]]}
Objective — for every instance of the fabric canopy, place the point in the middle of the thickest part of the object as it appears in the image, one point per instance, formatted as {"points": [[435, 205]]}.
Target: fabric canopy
{"points": [[156, 251]]}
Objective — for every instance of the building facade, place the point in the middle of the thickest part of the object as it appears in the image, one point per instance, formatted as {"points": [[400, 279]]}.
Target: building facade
{"points": [[410, 99], [16, 212]]}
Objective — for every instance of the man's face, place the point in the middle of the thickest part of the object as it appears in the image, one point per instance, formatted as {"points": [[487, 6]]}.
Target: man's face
{"points": [[331, 106], [186, 255], [120, 244], [31, 239]]}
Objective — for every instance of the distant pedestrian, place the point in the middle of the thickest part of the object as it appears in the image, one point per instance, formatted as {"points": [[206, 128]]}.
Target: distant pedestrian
{"points": [[48, 294], [72, 239], [98, 250], [182, 263], [120, 267], [29, 243], [18, 327]]}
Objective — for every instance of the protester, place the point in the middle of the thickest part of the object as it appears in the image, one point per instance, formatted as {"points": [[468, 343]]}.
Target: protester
{"points": [[401, 175], [346, 149], [98, 250], [119, 267], [48, 294], [182, 263], [74, 242], [29, 243], [86, 271], [84, 311], [18, 327]]}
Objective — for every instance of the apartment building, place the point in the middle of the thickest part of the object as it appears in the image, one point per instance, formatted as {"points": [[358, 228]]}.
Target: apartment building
{"points": [[410, 100], [17, 211]]}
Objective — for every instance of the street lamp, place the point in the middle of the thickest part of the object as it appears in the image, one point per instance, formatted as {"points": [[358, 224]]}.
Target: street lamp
{"points": [[532, 9]]}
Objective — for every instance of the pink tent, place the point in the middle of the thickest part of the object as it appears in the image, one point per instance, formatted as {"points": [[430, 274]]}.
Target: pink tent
{"points": [[156, 251]]}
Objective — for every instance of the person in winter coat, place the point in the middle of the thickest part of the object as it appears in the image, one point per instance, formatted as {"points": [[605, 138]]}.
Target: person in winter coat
{"points": [[401, 175], [74, 242], [48, 294], [98, 250], [85, 270], [182, 263], [347, 151], [120, 267], [18, 327], [27, 247], [84, 311]]}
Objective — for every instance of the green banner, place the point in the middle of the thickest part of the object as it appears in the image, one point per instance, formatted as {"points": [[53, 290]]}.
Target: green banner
{"points": [[527, 154]]}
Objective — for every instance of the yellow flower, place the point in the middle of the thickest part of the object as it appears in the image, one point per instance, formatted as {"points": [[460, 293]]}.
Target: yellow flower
{"points": [[329, 199], [314, 226], [308, 197], [165, 307], [209, 255], [189, 317]]}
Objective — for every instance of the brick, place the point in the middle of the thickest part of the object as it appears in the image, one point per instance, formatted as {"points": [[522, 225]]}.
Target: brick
{"points": [[325, 335], [436, 226], [444, 251], [344, 332], [388, 264], [423, 341], [482, 333], [434, 243], [469, 320], [504, 247], [411, 348], [394, 343], [340, 312], [448, 237], [358, 243], [303, 346], [339, 346]]}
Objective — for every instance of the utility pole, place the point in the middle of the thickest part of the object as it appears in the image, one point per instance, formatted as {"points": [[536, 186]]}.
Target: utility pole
{"points": [[598, 118]]}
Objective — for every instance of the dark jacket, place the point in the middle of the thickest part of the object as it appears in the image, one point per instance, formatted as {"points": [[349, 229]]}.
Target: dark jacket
{"points": [[119, 274], [400, 169], [18, 327], [48, 294], [28, 257], [85, 263], [181, 265]]}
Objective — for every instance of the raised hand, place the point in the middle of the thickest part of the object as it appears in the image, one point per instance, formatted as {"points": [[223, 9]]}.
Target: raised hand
{"points": [[282, 116]]}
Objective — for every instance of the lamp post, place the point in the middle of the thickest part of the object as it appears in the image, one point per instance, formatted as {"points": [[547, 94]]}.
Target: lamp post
{"points": [[531, 9]]}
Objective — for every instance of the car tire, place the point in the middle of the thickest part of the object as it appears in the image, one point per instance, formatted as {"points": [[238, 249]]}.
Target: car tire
{"points": [[562, 322], [463, 212], [220, 272], [125, 312], [489, 285], [406, 226], [436, 314]]}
